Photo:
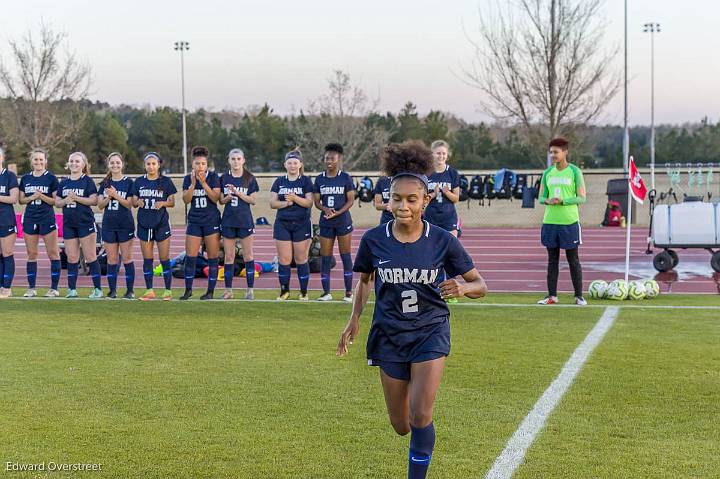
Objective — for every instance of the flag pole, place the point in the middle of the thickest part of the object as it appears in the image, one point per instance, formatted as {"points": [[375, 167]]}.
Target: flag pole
{"points": [[629, 226]]}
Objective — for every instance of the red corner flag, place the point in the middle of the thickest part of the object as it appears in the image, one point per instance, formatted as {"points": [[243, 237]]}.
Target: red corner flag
{"points": [[637, 187]]}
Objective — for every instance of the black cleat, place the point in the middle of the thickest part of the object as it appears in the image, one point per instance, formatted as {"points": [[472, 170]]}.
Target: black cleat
{"points": [[186, 295], [129, 295], [207, 295], [112, 294]]}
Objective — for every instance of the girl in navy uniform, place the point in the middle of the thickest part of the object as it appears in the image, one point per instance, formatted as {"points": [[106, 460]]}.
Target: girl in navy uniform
{"points": [[118, 226], [410, 334], [201, 190], [334, 196], [239, 192], [444, 184], [382, 199], [153, 193], [292, 196], [76, 196], [9, 192], [37, 191]]}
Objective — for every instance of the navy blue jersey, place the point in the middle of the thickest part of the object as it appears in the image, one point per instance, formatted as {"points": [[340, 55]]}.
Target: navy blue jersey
{"points": [[37, 211], [407, 279], [301, 186], [203, 211], [8, 181], [441, 209], [236, 213], [116, 217], [75, 214], [333, 194], [382, 187], [151, 191]]}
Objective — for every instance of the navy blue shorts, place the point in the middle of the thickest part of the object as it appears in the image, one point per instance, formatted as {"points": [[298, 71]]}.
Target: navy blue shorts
{"points": [[72, 232], [294, 231], [161, 233], [333, 231], [402, 371], [201, 231], [232, 232], [116, 236], [41, 229], [561, 236], [7, 231]]}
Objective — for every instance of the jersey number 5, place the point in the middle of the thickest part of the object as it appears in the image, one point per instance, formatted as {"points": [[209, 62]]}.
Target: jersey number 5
{"points": [[409, 303]]}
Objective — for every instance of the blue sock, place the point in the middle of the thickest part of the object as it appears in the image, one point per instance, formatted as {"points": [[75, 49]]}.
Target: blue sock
{"points": [[112, 270], [55, 268], [347, 271], [325, 262], [303, 272], [229, 273], [167, 273], [148, 273], [190, 265], [72, 275], [212, 274], [31, 273], [130, 276], [284, 276], [9, 270], [250, 273], [422, 441], [2, 269], [95, 273]]}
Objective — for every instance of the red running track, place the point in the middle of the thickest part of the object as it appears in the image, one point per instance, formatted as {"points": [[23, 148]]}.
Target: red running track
{"points": [[510, 259]]}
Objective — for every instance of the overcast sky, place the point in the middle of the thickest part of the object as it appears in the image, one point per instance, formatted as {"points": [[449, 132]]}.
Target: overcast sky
{"points": [[282, 51]]}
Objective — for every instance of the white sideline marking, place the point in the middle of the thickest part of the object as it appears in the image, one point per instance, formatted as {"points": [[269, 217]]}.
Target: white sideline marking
{"points": [[514, 453]]}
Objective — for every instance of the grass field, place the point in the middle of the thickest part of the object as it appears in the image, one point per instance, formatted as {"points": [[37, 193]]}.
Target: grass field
{"points": [[253, 390]]}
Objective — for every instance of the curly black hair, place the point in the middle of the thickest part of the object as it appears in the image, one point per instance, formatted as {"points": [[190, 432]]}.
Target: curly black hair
{"points": [[335, 147], [410, 156], [200, 151]]}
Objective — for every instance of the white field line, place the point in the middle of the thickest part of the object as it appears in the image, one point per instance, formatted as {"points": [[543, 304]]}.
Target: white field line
{"points": [[514, 453]]}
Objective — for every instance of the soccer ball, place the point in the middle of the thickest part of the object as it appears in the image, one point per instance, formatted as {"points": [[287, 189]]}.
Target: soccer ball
{"points": [[598, 289], [652, 288], [617, 290], [636, 290]]}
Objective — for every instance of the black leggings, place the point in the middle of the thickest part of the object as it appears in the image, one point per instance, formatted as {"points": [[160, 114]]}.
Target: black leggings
{"points": [[554, 270]]}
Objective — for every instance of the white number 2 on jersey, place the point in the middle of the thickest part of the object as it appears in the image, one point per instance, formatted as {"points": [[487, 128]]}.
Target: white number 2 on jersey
{"points": [[409, 304]]}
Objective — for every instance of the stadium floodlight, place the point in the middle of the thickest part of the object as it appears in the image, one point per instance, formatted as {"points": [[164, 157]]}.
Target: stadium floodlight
{"points": [[652, 29], [182, 47]]}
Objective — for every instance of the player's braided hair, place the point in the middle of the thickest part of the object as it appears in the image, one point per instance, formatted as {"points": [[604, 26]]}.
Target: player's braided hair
{"points": [[410, 156]]}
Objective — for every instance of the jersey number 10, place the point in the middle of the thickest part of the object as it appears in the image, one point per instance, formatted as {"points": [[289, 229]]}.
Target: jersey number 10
{"points": [[200, 202]]}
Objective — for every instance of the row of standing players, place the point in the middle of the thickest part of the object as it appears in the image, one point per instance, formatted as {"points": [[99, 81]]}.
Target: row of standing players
{"points": [[293, 195]]}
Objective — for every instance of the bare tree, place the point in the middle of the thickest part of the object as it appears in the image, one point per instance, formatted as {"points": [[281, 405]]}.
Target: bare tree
{"points": [[44, 83], [341, 116], [540, 63]]}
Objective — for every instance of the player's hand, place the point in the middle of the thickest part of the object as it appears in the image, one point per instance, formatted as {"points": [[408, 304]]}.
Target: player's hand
{"points": [[158, 205], [387, 207], [348, 336], [201, 176], [141, 203], [451, 288], [554, 201], [231, 188], [111, 192], [290, 197], [193, 177], [35, 196], [329, 212]]}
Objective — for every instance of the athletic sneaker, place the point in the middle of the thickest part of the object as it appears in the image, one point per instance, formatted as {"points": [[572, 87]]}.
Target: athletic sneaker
{"points": [[167, 295], [207, 295], [348, 298], [303, 297], [227, 294], [325, 297], [129, 295], [186, 295], [52, 293], [5, 293], [96, 294], [30, 293], [149, 295], [580, 301], [250, 294], [549, 300], [284, 295], [71, 293], [112, 294]]}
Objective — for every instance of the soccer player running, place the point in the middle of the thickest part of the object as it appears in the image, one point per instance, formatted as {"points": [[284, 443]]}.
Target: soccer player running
{"points": [[37, 191], [201, 190], [118, 226], [239, 192], [9, 192], [410, 334], [334, 196], [562, 189]]}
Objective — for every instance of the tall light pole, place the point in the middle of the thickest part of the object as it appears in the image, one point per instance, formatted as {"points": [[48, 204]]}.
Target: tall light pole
{"points": [[652, 28], [182, 47]]}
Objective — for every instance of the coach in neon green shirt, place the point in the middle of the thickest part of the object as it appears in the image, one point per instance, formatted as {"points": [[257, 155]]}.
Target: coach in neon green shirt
{"points": [[562, 189]]}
